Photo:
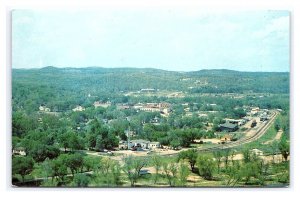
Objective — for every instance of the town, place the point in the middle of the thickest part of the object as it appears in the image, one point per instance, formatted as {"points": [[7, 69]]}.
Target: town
{"points": [[196, 133]]}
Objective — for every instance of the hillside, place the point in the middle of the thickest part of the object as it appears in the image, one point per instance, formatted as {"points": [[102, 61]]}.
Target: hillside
{"points": [[133, 79]]}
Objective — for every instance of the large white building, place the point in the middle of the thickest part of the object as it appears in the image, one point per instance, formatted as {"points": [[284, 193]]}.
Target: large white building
{"points": [[78, 108]]}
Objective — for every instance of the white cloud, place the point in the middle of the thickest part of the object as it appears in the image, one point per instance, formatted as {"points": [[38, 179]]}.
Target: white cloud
{"points": [[280, 26]]}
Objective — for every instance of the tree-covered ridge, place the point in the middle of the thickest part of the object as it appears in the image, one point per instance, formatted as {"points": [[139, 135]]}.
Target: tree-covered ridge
{"points": [[133, 79]]}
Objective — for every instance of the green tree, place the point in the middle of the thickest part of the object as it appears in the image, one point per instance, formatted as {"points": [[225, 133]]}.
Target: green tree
{"points": [[191, 156], [157, 165], [183, 173], [74, 162], [206, 166], [284, 147], [22, 166], [81, 180], [59, 167], [132, 167], [233, 173], [92, 163], [170, 171], [218, 155]]}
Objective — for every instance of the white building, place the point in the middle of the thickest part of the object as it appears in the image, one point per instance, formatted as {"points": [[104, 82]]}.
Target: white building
{"points": [[44, 108], [78, 108], [100, 104], [154, 145]]}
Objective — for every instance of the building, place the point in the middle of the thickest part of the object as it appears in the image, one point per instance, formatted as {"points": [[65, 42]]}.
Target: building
{"points": [[144, 144], [122, 107], [43, 108], [78, 108], [154, 145], [239, 122], [147, 90], [19, 151], [101, 104], [155, 120], [263, 118], [257, 152], [254, 111], [123, 145], [229, 127]]}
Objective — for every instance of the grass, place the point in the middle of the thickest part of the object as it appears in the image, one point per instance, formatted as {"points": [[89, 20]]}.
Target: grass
{"points": [[269, 135]]}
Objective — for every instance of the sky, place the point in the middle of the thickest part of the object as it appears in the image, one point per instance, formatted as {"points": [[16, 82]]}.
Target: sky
{"points": [[179, 39]]}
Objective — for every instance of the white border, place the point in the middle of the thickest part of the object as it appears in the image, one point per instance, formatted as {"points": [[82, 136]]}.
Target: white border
{"points": [[7, 5]]}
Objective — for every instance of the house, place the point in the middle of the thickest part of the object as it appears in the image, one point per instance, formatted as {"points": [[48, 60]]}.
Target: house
{"points": [[228, 127], [147, 90], [122, 106], [19, 151], [156, 107], [263, 118], [257, 152], [151, 107], [78, 108], [254, 110], [239, 122], [154, 145], [101, 104], [155, 120], [144, 144], [138, 106], [123, 145], [43, 108]]}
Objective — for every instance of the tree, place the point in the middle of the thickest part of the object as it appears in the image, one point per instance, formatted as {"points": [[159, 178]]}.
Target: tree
{"points": [[132, 167], [21, 124], [37, 148], [81, 180], [74, 162], [59, 167], [183, 173], [157, 165], [206, 166], [46, 168], [218, 156], [274, 148], [246, 155], [22, 166], [191, 155], [115, 171], [170, 171], [234, 174], [226, 154], [284, 147], [92, 163], [248, 170], [71, 140]]}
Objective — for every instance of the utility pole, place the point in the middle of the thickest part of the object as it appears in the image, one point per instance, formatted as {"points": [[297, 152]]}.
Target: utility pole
{"points": [[128, 137]]}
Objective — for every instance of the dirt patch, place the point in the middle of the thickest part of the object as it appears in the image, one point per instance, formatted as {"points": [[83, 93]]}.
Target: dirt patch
{"points": [[276, 138]]}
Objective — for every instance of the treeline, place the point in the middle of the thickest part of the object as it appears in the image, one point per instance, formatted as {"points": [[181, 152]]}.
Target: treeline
{"points": [[81, 170]]}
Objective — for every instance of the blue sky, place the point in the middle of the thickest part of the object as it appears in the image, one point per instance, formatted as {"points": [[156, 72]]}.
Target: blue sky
{"points": [[181, 39]]}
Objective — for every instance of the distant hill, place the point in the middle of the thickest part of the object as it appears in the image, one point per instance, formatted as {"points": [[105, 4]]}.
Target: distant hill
{"points": [[133, 79]]}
